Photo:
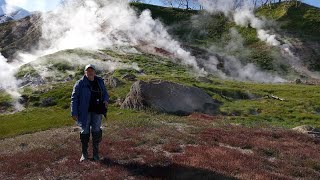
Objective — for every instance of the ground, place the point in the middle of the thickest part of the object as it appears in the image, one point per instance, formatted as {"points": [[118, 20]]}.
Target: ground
{"points": [[194, 147], [250, 139]]}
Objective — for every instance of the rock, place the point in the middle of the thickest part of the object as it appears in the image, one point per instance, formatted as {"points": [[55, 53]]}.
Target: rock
{"points": [[204, 80], [48, 102], [129, 77], [113, 82], [305, 129], [76, 129], [24, 99], [170, 98], [4, 106], [119, 102], [23, 146], [298, 81], [34, 80]]}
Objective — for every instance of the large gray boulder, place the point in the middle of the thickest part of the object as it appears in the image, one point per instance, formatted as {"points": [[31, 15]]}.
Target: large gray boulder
{"points": [[170, 98]]}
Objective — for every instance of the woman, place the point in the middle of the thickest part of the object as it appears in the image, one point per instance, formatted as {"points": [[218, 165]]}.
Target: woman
{"points": [[89, 101]]}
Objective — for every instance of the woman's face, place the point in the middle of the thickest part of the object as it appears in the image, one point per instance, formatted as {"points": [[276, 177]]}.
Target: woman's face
{"points": [[90, 73]]}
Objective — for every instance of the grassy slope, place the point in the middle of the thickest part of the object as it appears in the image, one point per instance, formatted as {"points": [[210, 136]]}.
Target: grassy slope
{"points": [[301, 106], [214, 31], [302, 21], [301, 18]]}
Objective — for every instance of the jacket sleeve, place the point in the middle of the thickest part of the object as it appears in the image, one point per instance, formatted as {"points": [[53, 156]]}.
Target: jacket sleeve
{"points": [[105, 92], [75, 99]]}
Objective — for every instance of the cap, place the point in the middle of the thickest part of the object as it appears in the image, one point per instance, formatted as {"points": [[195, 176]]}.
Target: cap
{"points": [[89, 66]]}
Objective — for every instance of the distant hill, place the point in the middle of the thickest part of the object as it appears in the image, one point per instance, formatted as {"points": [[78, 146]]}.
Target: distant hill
{"points": [[19, 35], [15, 13]]}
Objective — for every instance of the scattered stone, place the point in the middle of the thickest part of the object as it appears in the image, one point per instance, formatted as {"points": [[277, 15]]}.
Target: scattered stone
{"points": [[129, 77], [23, 146], [204, 80], [76, 129], [254, 112], [119, 101], [305, 129], [298, 81], [4, 106], [48, 102], [23, 99], [34, 80], [274, 97], [113, 82]]}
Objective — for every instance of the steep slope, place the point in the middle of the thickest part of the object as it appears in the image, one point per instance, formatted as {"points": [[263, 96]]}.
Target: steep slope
{"points": [[301, 19], [213, 36], [21, 35], [300, 26], [296, 25]]}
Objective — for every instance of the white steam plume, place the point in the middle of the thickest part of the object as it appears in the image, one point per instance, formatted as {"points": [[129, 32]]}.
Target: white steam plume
{"points": [[91, 24], [243, 15], [105, 24], [8, 81], [233, 67], [236, 69]]}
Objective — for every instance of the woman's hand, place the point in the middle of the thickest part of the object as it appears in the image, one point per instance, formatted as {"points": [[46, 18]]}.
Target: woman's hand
{"points": [[106, 104], [75, 118]]}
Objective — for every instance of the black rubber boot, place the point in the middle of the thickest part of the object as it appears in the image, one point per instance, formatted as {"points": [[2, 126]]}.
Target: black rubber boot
{"points": [[96, 139], [84, 143]]}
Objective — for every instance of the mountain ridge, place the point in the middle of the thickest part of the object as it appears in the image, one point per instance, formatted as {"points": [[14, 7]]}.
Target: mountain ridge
{"points": [[15, 13]]}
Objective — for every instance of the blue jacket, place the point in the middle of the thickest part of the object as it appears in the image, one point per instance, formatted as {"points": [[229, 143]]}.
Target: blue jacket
{"points": [[80, 98]]}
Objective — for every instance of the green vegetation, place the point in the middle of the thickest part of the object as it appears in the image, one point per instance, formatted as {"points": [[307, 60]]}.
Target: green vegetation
{"points": [[301, 19], [26, 69], [168, 16], [32, 120], [242, 102], [4, 97]]}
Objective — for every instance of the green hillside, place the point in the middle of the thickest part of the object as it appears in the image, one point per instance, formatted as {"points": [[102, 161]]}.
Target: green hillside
{"points": [[302, 21], [245, 103]]}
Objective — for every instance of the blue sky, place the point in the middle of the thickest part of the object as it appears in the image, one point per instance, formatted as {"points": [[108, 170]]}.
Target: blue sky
{"points": [[43, 5]]}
